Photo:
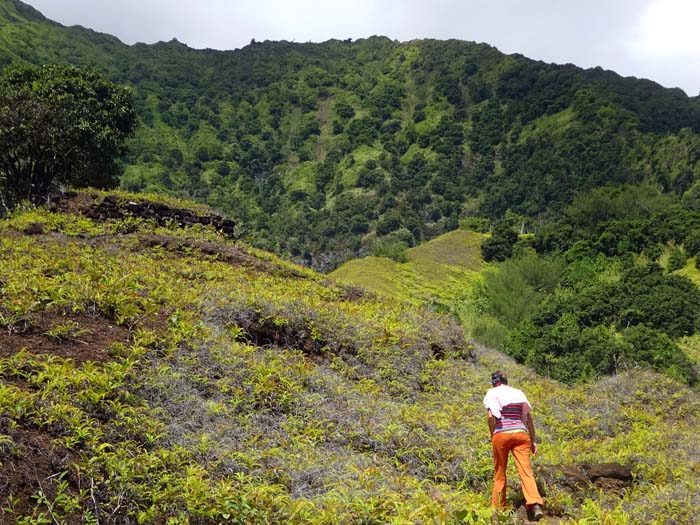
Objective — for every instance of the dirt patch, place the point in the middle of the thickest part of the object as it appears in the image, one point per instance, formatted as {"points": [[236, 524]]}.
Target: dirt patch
{"points": [[265, 334], [354, 294], [31, 463], [611, 477], [524, 516], [35, 228], [78, 337], [578, 479]]}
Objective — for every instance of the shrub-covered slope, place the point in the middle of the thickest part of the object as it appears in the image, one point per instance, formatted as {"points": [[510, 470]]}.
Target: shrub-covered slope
{"points": [[157, 374], [320, 149], [613, 284], [573, 314]]}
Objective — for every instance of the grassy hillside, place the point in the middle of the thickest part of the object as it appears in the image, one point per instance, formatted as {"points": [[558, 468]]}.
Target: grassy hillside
{"points": [[314, 146], [156, 374], [440, 271]]}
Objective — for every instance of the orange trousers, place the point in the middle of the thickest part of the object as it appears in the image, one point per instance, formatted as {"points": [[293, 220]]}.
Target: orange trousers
{"points": [[519, 444]]}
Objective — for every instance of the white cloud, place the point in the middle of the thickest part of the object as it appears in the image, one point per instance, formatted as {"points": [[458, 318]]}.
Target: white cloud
{"points": [[669, 28]]}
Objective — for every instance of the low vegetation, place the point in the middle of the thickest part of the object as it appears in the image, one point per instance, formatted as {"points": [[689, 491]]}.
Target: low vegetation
{"points": [[145, 380], [435, 273]]}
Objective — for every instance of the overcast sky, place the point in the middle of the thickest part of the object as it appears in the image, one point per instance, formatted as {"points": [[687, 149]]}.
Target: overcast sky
{"points": [[656, 39]]}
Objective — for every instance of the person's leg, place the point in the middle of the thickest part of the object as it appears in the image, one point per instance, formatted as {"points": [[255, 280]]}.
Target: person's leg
{"points": [[500, 462], [521, 454]]}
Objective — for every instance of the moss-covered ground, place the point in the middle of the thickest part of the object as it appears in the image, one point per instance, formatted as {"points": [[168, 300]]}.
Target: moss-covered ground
{"points": [[166, 375]]}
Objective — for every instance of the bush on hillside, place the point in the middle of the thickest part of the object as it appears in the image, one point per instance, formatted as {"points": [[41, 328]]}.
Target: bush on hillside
{"points": [[516, 287], [610, 323], [676, 259], [499, 246], [390, 248], [650, 346]]}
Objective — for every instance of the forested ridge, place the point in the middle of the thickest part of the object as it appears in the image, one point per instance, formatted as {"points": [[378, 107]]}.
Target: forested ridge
{"points": [[328, 151]]}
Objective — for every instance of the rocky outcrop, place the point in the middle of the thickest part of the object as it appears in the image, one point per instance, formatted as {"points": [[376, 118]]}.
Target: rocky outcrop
{"points": [[603, 471], [116, 207], [577, 479], [112, 207]]}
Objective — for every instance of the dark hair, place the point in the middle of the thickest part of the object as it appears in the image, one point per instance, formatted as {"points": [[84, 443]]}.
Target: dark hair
{"points": [[499, 377]]}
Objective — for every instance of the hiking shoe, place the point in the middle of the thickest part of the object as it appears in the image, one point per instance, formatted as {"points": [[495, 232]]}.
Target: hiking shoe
{"points": [[537, 512]]}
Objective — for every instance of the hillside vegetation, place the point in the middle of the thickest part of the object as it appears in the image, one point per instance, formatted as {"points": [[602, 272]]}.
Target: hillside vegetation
{"points": [[439, 272], [611, 285], [321, 151], [157, 374], [158, 366]]}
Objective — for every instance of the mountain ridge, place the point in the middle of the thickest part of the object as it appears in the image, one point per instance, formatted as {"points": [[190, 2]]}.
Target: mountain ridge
{"points": [[426, 132]]}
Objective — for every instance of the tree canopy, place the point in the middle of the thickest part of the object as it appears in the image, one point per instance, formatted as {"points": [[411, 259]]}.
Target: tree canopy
{"points": [[60, 125]]}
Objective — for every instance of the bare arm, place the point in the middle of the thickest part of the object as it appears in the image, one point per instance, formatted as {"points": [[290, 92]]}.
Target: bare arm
{"points": [[492, 422], [531, 430]]}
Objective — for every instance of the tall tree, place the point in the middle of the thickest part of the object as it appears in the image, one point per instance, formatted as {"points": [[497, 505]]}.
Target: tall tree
{"points": [[60, 125]]}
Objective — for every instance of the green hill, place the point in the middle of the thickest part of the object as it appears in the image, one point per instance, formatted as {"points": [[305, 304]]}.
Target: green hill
{"points": [[439, 271], [313, 146], [156, 374], [157, 366]]}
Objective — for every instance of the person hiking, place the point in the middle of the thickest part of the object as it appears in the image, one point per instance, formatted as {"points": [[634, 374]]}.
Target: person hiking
{"points": [[512, 430]]}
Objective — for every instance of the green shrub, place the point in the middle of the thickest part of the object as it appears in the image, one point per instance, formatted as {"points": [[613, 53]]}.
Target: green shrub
{"points": [[649, 346], [499, 246], [514, 289], [676, 259], [391, 249]]}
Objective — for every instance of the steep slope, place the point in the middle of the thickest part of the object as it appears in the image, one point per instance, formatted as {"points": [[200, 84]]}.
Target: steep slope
{"points": [[322, 150], [153, 374]]}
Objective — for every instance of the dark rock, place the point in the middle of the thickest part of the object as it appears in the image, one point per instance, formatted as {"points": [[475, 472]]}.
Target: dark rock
{"points": [[609, 470], [228, 227], [571, 478], [610, 477], [113, 207], [159, 208], [35, 228], [579, 480]]}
